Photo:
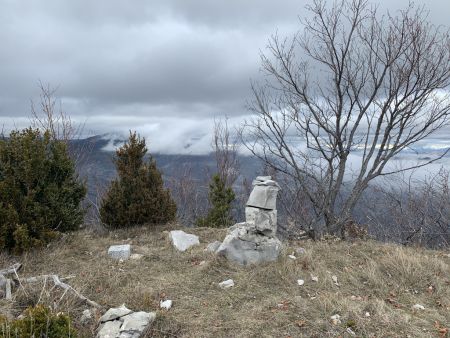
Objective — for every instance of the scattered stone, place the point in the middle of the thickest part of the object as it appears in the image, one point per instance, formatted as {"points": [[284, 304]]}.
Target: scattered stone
{"points": [[114, 313], [335, 319], [183, 241], [212, 247], [418, 307], [86, 317], [167, 304], [226, 284], [120, 251], [314, 278], [292, 257], [136, 256], [136, 323], [350, 331], [300, 282], [335, 280], [124, 323], [109, 329]]}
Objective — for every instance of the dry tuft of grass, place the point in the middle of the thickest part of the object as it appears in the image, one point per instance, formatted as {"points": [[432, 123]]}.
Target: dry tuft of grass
{"points": [[377, 286]]}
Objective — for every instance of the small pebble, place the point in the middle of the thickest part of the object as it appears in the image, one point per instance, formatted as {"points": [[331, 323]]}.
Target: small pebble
{"points": [[226, 284], [335, 319], [167, 304], [418, 307]]}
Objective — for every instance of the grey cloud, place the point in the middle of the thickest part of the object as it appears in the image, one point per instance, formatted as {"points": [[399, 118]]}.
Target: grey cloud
{"points": [[125, 64]]}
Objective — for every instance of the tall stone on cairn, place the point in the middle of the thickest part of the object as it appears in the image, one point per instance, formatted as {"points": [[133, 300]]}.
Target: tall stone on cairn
{"points": [[254, 241]]}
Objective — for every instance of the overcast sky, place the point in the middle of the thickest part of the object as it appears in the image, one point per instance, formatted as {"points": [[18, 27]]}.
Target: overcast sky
{"points": [[165, 68]]}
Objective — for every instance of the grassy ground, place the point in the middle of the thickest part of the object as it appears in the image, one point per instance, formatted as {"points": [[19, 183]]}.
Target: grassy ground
{"points": [[378, 285]]}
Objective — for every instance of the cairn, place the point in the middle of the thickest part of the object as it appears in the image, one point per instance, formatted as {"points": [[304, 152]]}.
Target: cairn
{"points": [[254, 241]]}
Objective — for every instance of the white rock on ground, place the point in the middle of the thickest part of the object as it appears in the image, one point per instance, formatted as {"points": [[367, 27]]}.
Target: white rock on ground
{"points": [[335, 319], [120, 251], [292, 257], [226, 284], [124, 323], [183, 241], [350, 331], [212, 247], [114, 313], [300, 282], [314, 278], [166, 304], [335, 280], [418, 307]]}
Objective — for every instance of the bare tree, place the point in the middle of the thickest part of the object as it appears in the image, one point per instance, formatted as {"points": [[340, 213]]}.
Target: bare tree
{"points": [[353, 81], [410, 210], [49, 116], [225, 151], [190, 195]]}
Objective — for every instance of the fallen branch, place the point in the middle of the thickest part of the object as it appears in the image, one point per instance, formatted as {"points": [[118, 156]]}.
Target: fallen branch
{"points": [[57, 281], [43, 278], [12, 270]]}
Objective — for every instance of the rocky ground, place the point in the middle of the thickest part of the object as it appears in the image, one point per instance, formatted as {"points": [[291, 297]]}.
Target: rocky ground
{"points": [[315, 289]]}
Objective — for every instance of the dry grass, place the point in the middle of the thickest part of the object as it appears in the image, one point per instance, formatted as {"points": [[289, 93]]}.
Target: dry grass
{"points": [[384, 280]]}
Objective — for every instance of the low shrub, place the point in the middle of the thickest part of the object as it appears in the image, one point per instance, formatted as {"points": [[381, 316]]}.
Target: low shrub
{"points": [[38, 321], [221, 198]]}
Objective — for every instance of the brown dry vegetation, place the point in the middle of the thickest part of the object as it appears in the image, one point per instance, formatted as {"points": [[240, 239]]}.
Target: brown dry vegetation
{"points": [[384, 280]]}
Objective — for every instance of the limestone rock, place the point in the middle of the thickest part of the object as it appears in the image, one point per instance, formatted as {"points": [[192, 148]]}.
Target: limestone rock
{"points": [[120, 251], [263, 196], [183, 241], [212, 247], [265, 220], [245, 246], [135, 323], [418, 307], [109, 329], [124, 323], [262, 178], [226, 284], [336, 319], [114, 313], [166, 304]]}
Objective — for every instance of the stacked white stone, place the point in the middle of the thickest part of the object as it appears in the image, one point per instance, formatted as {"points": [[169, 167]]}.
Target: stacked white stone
{"points": [[254, 241]]}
